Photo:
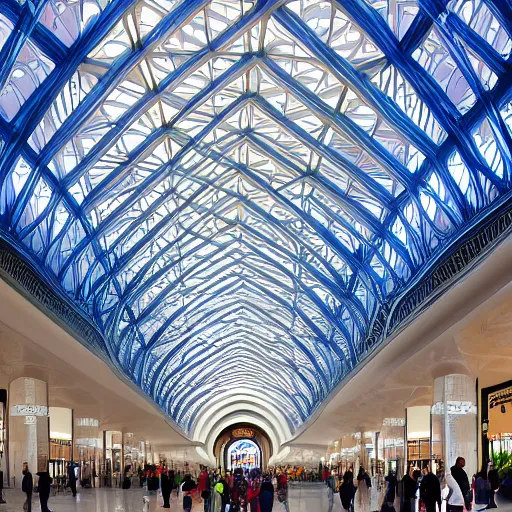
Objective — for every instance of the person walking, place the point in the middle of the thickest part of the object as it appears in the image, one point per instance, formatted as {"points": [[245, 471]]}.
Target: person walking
{"points": [[44, 485], [282, 491], [27, 486], [409, 490], [391, 488], [72, 478], [347, 491], [482, 491], [455, 498], [331, 490], [462, 479], [364, 485], [204, 488], [2, 487], [166, 488], [187, 488], [226, 493], [266, 494], [253, 492], [430, 492], [494, 480]]}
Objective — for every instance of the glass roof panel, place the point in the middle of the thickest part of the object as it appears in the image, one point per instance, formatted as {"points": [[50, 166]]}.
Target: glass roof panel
{"points": [[213, 180]]}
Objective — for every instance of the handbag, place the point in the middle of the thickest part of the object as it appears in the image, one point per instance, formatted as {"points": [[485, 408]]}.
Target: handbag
{"points": [[205, 494]]}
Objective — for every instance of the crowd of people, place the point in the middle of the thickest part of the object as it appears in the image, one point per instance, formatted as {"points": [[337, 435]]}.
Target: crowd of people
{"points": [[238, 491], [421, 491], [255, 491]]}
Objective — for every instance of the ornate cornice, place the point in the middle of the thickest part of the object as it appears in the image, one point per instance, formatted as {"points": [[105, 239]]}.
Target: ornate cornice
{"points": [[21, 274]]}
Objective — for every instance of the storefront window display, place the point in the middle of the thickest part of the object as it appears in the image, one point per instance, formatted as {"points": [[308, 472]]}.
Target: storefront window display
{"points": [[61, 442], [392, 440], [113, 449], [497, 427], [89, 451], [418, 438]]}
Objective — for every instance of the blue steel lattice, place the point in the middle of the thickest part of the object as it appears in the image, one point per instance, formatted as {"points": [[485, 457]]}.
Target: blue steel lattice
{"points": [[213, 181]]}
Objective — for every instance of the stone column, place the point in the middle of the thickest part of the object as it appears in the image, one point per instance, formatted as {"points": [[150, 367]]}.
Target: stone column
{"points": [[454, 421], [28, 433]]}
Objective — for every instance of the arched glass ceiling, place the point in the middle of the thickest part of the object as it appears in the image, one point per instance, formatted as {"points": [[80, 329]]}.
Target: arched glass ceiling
{"points": [[232, 190]]}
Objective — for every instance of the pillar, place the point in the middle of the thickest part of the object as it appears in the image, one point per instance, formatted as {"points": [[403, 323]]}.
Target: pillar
{"points": [[28, 427], [454, 421]]}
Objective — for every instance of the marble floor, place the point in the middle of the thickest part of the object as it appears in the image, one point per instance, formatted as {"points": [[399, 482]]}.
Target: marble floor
{"points": [[303, 498]]}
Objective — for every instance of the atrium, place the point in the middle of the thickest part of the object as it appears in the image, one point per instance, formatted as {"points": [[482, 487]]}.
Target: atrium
{"points": [[264, 235]]}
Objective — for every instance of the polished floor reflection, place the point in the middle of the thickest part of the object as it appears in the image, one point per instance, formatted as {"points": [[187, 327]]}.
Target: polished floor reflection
{"points": [[303, 498]]}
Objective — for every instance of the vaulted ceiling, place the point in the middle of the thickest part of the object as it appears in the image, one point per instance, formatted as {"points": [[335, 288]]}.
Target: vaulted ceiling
{"points": [[232, 191]]}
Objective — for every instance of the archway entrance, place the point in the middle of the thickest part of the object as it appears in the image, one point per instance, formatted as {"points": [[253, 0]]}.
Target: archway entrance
{"points": [[242, 445], [243, 453]]}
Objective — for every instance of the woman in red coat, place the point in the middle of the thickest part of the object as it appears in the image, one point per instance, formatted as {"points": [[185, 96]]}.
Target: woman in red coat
{"points": [[253, 493]]}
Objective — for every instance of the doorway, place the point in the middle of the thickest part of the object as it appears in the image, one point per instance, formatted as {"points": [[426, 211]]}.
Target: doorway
{"points": [[243, 453]]}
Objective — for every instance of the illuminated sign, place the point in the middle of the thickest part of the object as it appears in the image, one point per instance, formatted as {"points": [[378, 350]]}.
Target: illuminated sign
{"points": [[29, 410], [242, 432], [87, 422]]}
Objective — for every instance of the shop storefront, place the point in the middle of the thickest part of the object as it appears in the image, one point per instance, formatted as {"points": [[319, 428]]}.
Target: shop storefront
{"points": [[89, 451], [418, 428], [349, 453], [497, 426], [113, 459], [61, 442], [392, 441]]}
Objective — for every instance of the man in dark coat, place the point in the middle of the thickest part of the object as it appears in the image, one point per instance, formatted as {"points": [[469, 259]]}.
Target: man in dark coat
{"points": [[166, 488], [347, 491], [462, 479], [266, 494], [2, 487], [27, 486], [430, 492], [409, 488], [72, 478], [44, 485], [226, 495], [494, 479]]}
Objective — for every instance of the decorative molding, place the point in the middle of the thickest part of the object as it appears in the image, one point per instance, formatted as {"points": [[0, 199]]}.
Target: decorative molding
{"points": [[455, 262], [446, 273], [25, 278]]}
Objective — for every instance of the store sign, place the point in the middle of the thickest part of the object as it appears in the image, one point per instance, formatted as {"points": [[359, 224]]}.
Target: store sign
{"points": [[87, 422], [29, 410], [454, 407], [242, 432], [30, 420], [393, 422]]}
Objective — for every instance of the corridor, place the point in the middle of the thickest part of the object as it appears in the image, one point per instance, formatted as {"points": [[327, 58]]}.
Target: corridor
{"points": [[303, 498]]}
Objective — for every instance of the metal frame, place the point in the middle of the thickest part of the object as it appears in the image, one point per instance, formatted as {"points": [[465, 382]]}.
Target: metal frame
{"points": [[246, 180]]}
